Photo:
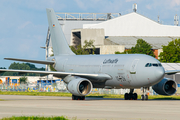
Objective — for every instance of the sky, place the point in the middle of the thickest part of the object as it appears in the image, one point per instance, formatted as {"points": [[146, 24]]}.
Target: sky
{"points": [[23, 23]]}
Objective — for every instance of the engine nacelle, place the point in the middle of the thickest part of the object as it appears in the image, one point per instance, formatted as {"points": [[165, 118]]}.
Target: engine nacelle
{"points": [[166, 86], [78, 86]]}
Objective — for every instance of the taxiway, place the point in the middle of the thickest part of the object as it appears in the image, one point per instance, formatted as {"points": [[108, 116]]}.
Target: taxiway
{"points": [[89, 109]]}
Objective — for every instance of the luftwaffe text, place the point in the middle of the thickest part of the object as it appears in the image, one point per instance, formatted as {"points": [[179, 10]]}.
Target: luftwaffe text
{"points": [[110, 61]]}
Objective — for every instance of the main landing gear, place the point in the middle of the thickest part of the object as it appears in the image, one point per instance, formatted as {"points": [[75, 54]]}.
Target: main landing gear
{"points": [[130, 95], [144, 96], [74, 97]]}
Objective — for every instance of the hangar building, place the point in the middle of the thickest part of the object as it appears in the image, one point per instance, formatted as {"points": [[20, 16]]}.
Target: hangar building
{"points": [[125, 30], [69, 21]]}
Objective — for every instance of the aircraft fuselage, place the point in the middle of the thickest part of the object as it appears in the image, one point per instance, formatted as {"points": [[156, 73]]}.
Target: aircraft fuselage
{"points": [[127, 71]]}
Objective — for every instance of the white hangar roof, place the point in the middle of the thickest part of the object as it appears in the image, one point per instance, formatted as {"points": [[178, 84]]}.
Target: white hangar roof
{"points": [[171, 66], [134, 24], [131, 41]]}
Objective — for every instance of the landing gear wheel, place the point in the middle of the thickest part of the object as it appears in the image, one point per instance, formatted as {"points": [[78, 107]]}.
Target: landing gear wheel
{"points": [[126, 96], [146, 97], [135, 96], [82, 98], [74, 97], [130, 95], [142, 97]]}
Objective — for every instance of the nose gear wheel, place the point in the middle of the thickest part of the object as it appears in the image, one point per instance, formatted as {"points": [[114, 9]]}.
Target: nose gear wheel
{"points": [[144, 96]]}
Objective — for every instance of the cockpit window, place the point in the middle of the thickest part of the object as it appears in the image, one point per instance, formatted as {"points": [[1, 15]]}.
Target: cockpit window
{"points": [[160, 64], [153, 64], [150, 64], [147, 65]]}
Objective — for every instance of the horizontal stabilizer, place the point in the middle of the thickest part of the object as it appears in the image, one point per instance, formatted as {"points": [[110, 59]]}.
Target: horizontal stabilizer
{"points": [[32, 61]]}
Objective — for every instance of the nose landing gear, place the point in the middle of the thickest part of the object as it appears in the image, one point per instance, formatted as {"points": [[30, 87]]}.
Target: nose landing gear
{"points": [[130, 95], [144, 96]]}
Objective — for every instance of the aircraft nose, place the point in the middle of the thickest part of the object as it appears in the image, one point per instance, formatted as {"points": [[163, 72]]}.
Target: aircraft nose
{"points": [[159, 73]]}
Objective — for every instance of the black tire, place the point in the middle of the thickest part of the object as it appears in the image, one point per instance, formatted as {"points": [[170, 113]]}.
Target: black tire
{"points": [[126, 96], [72, 97], [130, 96], [142, 97], [82, 98], [146, 97], [135, 96]]}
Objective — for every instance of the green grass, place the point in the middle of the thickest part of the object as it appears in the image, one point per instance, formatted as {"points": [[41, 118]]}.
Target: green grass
{"points": [[161, 97], [97, 95], [36, 93], [35, 118]]}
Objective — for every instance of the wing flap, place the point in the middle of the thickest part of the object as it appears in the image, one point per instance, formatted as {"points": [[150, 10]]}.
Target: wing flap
{"points": [[32, 61]]}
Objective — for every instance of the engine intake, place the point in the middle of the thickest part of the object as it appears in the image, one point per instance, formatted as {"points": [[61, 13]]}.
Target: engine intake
{"points": [[166, 86], [78, 86]]}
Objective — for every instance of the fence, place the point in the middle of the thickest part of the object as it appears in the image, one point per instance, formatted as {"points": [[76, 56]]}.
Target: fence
{"points": [[61, 87], [20, 87]]}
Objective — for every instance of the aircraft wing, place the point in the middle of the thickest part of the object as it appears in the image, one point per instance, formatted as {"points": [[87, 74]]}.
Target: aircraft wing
{"points": [[169, 72], [96, 77], [32, 61]]}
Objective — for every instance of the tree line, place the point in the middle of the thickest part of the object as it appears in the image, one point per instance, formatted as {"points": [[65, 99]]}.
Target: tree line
{"points": [[170, 53], [21, 66]]}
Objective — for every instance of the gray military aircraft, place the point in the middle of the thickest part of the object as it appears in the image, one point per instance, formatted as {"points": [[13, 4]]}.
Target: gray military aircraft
{"points": [[81, 73]]}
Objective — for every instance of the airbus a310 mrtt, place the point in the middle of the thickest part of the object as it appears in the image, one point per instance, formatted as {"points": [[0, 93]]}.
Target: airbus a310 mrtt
{"points": [[81, 73]]}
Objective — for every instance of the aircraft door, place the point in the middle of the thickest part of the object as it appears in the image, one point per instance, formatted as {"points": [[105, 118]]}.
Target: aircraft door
{"points": [[133, 66], [133, 70]]}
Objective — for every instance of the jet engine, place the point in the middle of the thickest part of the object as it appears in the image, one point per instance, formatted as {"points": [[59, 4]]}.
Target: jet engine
{"points": [[166, 86], [78, 86]]}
